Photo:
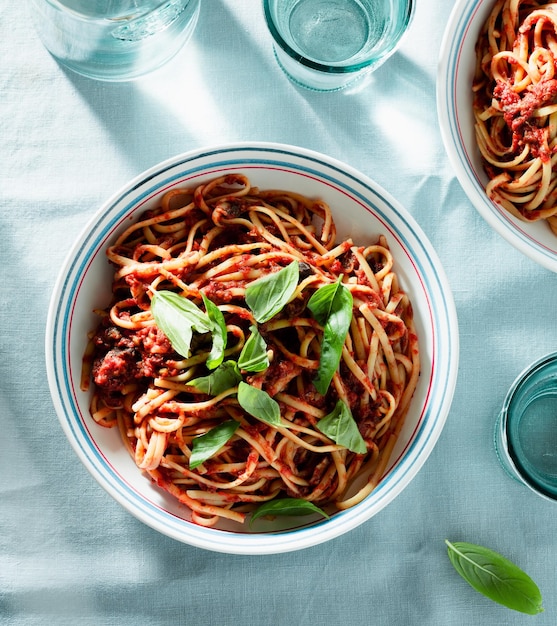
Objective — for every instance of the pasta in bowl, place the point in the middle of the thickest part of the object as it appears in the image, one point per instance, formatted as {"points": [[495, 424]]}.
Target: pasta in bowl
{"points": [[253, 348], [496, 100]]}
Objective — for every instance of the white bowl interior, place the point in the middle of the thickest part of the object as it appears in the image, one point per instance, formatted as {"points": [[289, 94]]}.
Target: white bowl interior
{"points": [[362, 211], [454, 102]]}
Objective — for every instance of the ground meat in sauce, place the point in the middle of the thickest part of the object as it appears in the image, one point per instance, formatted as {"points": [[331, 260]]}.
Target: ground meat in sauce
{"points": [[221, 291], [115, 369], [123, 357], [518, 110], [276, 377]]}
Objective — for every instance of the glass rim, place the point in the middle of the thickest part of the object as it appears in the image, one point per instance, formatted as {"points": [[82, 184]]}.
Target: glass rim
{"points": [[331, 69]]}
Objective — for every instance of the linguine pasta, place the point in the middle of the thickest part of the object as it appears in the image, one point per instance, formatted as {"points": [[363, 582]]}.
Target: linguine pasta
{"points": [[212, 242], [515, 107]]}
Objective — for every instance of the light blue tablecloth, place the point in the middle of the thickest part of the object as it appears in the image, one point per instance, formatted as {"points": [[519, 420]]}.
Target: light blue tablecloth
{"points": [[69, 554]]}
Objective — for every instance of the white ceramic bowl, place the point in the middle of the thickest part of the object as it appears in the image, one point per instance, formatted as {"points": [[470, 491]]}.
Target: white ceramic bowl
{"points": [[454, 105], [361, 209]]}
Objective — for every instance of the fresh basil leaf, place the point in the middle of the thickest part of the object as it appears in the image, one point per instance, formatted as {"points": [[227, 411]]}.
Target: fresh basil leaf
{"points": [[205, 446], [218, 333], [287, 507], [340, 426], [259, 403], [226, 376], [331, 306], [321, 302], [495, 577], [267, 295], [178, 317], [254, 357]]}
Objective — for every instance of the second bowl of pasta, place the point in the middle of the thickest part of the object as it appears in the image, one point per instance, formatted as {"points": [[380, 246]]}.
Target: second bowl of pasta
{"points": [[497, 107], [253, 348]]}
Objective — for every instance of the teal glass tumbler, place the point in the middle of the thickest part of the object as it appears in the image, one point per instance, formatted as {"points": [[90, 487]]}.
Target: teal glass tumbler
{"points": [[114, 40], [526, 429], [328, 45]]}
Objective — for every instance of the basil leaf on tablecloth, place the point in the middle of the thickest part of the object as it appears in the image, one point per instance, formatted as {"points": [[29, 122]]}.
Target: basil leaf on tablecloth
{"points": [[495, 577]]}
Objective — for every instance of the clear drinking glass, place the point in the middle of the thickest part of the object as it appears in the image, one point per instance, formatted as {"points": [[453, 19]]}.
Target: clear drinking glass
{"points": [[114, 40], [327, 45], [526, 429]]}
